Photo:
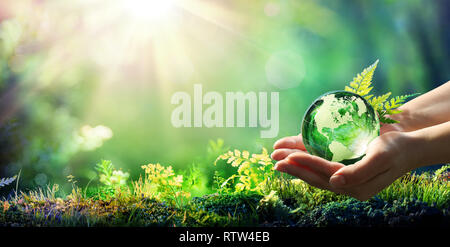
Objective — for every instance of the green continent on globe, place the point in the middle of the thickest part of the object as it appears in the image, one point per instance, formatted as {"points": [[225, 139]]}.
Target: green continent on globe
{"points": [[339, 126]]}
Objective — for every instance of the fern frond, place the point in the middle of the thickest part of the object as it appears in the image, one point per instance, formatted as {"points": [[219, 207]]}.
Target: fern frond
{"points": [[361, 83], [368, 97], [6, 181], [383, 119], [378, 102], [396, 102], [389, 107], [387, 120], [349, 89]]}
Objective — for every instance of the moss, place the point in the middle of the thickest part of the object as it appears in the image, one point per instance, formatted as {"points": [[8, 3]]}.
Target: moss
{"points": [[100, 193], [375, 213], [239, 204], [413, 200], [220, 210]]}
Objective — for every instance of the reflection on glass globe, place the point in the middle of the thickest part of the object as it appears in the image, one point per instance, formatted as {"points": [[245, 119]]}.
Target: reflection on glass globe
{"points": [[339, 126]]}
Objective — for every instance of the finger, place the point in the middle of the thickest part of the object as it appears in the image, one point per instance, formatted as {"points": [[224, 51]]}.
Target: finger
{"points": [[292, 142], [304, 173], [315, 163], [282, 153], [384, 128], [360, 172], [372, 187]]}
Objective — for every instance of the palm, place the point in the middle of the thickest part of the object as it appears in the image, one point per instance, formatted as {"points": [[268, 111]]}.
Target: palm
{"points": [[288, 145], [294, 159]]}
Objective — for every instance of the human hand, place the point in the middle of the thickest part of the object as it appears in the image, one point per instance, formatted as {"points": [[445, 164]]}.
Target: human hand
{"points": [[384, 162], [293, 144]]}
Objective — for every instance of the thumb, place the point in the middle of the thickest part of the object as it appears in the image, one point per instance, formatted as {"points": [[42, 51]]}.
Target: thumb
{"points": [[358, 173]]}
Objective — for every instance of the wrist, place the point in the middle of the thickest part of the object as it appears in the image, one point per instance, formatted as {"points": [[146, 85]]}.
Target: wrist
{"points": [[413, 152], [404, 119], [430, 144], [409, 148]]}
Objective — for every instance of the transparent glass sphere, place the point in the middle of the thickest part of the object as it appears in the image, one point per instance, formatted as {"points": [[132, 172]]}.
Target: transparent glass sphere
{"points": [[338, 126]]}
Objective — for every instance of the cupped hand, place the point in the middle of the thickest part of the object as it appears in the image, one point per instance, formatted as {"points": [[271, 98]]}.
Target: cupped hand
{"points": [[383, 163]]}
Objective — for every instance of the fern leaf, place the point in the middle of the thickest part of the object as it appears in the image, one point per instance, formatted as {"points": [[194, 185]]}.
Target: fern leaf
{"points": [[387, 120], [6, 181], [378, 102], [353, 84], [385, 107], [399, 100], [361, 83], [349, 89], [368, 97], [396, 102], [394, 111], [383, 119]]}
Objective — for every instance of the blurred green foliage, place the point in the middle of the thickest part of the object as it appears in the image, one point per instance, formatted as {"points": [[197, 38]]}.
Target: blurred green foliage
{"points": [[65, 68]]}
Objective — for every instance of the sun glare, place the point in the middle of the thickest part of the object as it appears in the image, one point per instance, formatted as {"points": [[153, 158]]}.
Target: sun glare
{"points": [[152, 10], [146, 42]]}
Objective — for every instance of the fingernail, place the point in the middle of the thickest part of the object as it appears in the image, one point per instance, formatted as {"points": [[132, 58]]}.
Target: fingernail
{"points": [[337, 180]]}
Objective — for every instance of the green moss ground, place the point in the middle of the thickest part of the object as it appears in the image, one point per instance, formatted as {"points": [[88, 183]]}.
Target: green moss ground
{"points": [[411, 201]]}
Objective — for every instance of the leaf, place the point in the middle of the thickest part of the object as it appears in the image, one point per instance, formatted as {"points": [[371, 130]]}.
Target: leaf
{"points": [[394, 111], [390, 108], [383, 119], [349, 89], [361, 83], [245, 154], [227, 180], [387, 120], [378, 102], [396, 102], [6, 181]]}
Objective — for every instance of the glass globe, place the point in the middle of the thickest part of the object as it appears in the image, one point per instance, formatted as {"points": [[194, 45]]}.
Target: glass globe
{"points": [[338, 126]]}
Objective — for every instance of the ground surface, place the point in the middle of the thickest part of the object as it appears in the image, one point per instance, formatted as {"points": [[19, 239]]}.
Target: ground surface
{"points": [[286, 203]]}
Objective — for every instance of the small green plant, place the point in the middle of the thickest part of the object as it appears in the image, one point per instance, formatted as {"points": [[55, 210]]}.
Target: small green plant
{"points": [[297, 194], [362, 85], [195, 180], [161, 183], [252, 171], [272, 207], [42, 194], [109, 176], [442, 173], [75, 194], [431, 188]]}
